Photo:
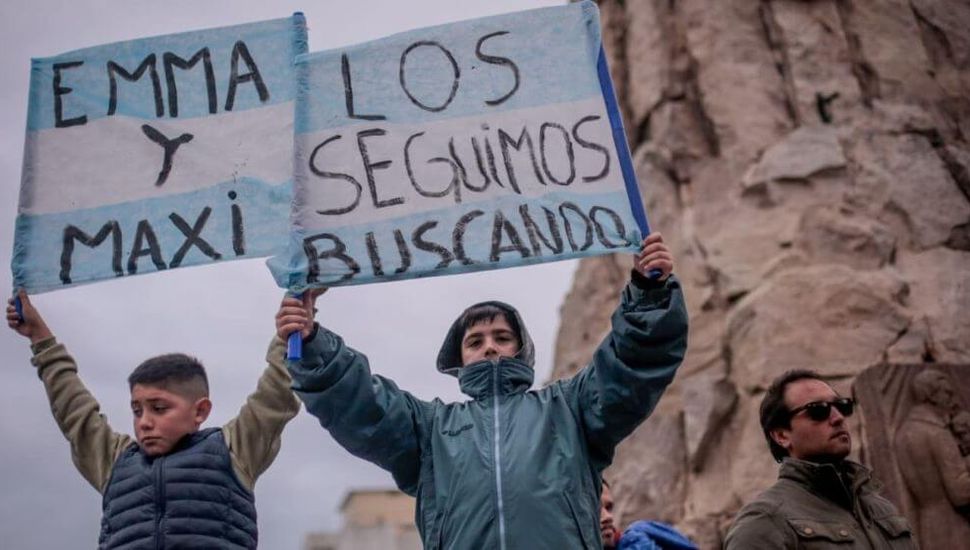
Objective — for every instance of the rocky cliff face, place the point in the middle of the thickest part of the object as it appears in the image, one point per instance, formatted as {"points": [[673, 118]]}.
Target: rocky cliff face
{"points": [[808, 163]]}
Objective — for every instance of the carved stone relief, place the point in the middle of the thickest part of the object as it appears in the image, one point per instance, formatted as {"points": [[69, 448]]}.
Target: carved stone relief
{"points": [[917, 423]]}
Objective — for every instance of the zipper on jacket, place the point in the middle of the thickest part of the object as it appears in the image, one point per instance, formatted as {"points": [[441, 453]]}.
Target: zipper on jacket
{"points": [[159, 503], [498, 459]]}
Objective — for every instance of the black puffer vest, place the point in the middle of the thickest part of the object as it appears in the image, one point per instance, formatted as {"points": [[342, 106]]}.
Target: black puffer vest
{"points": [[189, 498]]}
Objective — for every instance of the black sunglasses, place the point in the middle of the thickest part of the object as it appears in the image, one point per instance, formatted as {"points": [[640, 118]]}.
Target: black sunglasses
{"points": [[820, 410]]}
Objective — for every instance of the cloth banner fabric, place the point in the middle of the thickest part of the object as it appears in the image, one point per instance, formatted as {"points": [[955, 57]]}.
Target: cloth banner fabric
{"points": [[158, 153], [488, 143]]}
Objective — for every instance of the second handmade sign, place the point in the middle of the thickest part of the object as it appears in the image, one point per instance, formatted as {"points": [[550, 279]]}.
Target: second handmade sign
{"points": [[482, 144]]}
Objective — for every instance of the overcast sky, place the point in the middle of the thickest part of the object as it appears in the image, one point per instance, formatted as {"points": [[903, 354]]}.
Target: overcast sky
{"points": [[223, 314]]}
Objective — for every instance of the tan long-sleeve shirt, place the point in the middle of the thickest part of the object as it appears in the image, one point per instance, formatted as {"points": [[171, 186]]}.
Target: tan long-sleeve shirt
{"points": [[253, 436]]}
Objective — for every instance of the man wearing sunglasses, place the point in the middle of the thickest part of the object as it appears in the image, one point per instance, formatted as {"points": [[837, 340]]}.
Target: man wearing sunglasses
{"points": [[821, 499]]}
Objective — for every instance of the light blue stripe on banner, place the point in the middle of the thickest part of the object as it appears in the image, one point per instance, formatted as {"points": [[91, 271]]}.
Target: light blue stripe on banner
{"points": [[552, 50], [246, 219], [272, 46], [472, 237]]}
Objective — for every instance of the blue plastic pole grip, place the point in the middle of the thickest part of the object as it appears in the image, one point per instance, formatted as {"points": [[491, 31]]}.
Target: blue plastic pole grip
{"points": [[19, 306], [294, 343], [294, 347]]}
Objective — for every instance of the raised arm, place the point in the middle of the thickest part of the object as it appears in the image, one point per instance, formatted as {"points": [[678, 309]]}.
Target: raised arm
{"points": [[367, 414], [638, 358], [94, 445], [254, 434]]}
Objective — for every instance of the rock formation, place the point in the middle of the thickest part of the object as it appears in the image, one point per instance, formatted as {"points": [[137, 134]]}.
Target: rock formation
{"points": [[808, 162]]}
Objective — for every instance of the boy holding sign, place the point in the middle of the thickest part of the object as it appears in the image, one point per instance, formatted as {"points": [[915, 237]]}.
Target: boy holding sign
{"points": [[173, 484], [511, 465]]}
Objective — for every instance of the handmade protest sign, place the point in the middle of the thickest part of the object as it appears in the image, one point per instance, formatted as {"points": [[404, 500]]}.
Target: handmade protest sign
{"points": [[157, 153], [488, 143]]}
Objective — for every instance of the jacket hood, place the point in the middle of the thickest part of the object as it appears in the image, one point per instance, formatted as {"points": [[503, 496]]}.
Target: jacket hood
{"points": [[449, 358]]}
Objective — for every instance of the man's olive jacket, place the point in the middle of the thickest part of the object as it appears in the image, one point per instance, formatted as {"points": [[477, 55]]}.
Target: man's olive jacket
{"points": [[814, 506]]}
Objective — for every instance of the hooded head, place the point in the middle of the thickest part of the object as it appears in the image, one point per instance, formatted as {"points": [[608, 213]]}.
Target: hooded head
{"points": [[450, 357]]}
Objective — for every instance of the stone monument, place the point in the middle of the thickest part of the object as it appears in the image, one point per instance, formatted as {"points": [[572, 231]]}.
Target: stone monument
{"points": [[808, 163]]}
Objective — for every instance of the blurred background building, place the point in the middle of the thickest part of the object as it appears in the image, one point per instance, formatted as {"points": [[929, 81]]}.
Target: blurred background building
{"points": [[373, 519]]}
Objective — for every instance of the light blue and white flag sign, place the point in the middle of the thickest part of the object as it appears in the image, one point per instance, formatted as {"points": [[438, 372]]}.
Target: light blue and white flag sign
{"points": [[488, 143], [158, 153]]}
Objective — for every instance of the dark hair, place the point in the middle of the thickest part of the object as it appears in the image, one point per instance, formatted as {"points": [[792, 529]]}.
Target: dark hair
{"points": [[486, 311], [774, 412], [176, 372]]}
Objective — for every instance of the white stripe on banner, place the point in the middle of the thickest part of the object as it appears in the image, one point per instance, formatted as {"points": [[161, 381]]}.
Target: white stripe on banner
{"points": [[425, 167], [121, 164]]}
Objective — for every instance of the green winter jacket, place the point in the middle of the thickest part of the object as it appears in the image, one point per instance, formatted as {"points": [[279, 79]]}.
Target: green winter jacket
{"points": [[819, 506], [512, 467]]}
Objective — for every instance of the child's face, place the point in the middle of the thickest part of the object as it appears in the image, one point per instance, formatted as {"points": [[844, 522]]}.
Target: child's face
{"points": [[490, 340], [162, 417]]}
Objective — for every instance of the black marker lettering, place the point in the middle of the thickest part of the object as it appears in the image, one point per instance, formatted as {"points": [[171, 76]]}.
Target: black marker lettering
{"points": [[72, 233], [335, 175], [505, 141], [375, 257], [146, 233], [569, 153], [569, 228], [169, 147], [238, 232], [147, 64], [458, 235], [59, 90], [349, 92], [617, 226], [374, 254], [502, 226], [532, 230], [240, 50], [418, 239], [490, 156], [403, 252], [338, 252], [369, 168], [452, 186], [502, 61], [171, 61], [192, 237], [481, 168], [460, 170], [454, 82], [594, 146]]}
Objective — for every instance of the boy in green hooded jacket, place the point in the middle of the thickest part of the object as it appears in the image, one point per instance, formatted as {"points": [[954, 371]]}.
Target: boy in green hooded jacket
{"points": [[512, 467]]}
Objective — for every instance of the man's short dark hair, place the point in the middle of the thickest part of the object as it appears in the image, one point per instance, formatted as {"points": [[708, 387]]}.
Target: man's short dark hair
{"points": [[175, 372], [774, 412], [486, 312]]}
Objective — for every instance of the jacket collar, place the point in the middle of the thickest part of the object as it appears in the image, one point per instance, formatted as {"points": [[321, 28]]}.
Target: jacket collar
{"points": [[484, 379], [838, 482]]}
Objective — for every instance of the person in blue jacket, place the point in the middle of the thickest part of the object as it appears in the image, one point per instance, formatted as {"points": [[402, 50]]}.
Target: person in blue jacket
{"points": [[511, 467]]}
